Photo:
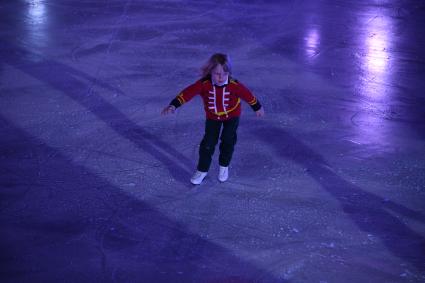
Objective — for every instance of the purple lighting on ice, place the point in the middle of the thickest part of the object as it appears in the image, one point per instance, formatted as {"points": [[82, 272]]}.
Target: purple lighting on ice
{"points": [[95, 184], [374, 78], [312, 41], [375, 56], [36, 36], [36, 11]]}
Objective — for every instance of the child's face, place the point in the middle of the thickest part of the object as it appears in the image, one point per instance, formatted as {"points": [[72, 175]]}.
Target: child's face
{"points": [[218, 75]]}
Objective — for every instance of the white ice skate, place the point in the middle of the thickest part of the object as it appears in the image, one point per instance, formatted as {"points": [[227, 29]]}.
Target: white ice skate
{"points": [[198, 177], [223, 175]]}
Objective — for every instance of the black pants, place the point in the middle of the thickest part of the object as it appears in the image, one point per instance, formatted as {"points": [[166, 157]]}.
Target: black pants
{"points": [[228, 139]]}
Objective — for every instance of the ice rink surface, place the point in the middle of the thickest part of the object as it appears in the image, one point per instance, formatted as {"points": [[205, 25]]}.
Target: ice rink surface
{"points": [[328, 187]]}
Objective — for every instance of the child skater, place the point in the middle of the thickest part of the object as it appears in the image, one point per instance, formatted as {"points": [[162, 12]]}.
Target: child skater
{"points": [[221, 95]]}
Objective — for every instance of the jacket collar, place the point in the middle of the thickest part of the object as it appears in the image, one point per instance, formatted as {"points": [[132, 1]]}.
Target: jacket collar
{"points": [[225, 83]]}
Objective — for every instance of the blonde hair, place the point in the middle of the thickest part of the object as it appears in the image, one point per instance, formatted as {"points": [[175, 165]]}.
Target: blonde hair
{"points": [[214, 60]]}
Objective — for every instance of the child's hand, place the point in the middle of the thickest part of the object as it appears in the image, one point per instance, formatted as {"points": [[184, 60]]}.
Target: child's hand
{"points": [[169, 109], [260, 112]]}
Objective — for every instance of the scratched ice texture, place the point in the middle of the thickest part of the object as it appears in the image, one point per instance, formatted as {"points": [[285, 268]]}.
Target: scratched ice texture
{"points": [[328, 187]]}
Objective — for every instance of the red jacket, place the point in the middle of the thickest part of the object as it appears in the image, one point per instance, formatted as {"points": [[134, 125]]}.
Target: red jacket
{"points": [[220, 102]]}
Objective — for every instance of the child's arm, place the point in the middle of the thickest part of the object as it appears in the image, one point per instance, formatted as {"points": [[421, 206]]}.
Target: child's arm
{"points": [[187, 94], [246, 95]]}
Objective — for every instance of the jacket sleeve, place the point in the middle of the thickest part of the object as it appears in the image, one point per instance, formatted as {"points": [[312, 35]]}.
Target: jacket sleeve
{"points": [[246, 95], [187, 94]]}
